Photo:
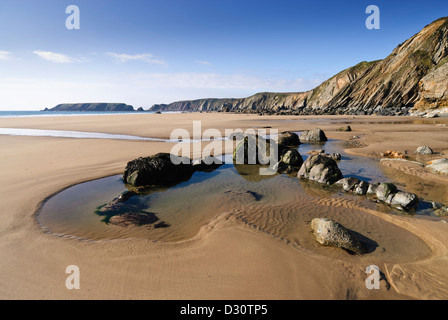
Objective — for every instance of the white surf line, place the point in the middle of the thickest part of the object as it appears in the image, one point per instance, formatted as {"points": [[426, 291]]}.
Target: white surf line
{"points": [[84, 135]]}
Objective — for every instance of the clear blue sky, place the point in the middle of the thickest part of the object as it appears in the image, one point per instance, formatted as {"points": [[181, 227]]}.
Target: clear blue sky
{"points": [[144, 52]]}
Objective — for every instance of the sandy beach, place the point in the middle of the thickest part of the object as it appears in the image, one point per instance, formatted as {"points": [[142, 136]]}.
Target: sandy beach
{"points": [[226, 259]]}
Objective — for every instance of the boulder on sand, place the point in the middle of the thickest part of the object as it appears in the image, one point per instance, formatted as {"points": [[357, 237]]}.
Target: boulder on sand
{"points": [[424, 150], [321, 169], [315, 135], [330, 233]]}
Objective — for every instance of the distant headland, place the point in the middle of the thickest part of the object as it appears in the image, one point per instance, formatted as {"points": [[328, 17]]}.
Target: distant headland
{"points": [[93, 107]]}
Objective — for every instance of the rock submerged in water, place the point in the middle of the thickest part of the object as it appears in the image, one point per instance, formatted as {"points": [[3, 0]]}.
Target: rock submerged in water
{"points": [[321, 169], [133, 219], [315, 135], [330, 233]]}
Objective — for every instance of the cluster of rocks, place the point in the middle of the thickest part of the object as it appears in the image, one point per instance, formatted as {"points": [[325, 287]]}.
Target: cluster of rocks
{"points": [[254, 149], [384, 192], [157, 170], [440, 209]]}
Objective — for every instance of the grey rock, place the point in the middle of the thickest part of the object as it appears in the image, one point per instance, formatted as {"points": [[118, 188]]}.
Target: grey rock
{"points": [[254, 149], [315, 135], [425, 150], [405, 201], [373, 187], [348, 184], [385, 192], [362, 188], [335, 156], [320, 169], [439, 166], [330, 233], [292, 158]]}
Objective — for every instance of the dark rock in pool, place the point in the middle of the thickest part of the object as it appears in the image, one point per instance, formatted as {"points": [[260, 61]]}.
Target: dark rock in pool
{"points": [[321, 169], [291, 158], [315, 135], [288, 139], [330, 233], [125, 196], [158, 170], [207, 163], [254, 149], [133, 219]]}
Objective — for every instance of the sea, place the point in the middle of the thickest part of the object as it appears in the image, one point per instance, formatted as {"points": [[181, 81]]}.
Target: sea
{"points": [[16, 114]]}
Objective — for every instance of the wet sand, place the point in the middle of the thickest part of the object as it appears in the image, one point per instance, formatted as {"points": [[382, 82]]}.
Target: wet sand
{"points": [[228, 258]]}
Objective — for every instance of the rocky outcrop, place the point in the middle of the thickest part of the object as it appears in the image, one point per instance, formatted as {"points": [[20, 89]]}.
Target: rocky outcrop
{"points": [[434, 89], [414, 76], [330, 233], [92, 107], [320, 169]]}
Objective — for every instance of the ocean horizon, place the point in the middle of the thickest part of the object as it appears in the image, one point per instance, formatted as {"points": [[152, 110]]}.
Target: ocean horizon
{"points": [[34, 113]]}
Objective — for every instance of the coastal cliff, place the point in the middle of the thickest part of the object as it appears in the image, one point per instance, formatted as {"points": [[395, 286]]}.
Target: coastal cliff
{"points": [[94, 107], [413, 78]]}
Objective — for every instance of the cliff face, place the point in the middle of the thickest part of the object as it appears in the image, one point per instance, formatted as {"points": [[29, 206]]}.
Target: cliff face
{"points": [[414, 76], [96, 107]]}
